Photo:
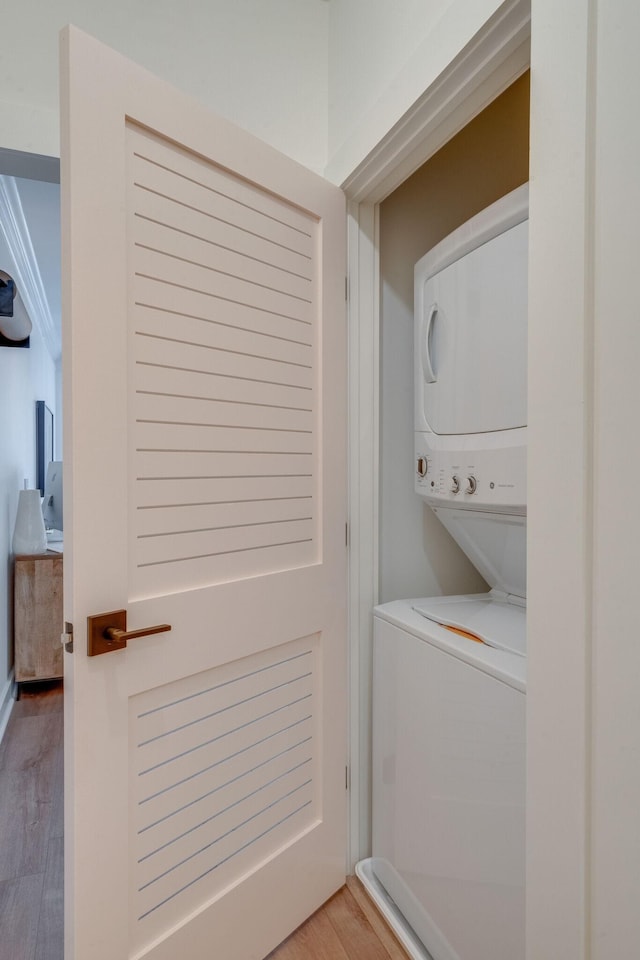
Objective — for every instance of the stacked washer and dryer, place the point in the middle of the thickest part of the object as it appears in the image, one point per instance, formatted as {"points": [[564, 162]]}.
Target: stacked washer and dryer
{"points": [[450, 672]]}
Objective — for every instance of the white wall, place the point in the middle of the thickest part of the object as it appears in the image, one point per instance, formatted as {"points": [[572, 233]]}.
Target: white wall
{"points": [[261, 63], [370, 42], [382, 57]]}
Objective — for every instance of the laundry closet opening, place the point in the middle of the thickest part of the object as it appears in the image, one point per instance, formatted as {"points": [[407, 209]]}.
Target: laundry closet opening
{"points": [[448, 730], [486, 160]]}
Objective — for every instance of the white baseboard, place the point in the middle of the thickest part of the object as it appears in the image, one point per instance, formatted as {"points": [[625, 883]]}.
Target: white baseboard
{"points": [[390, 911], [7, 701]]}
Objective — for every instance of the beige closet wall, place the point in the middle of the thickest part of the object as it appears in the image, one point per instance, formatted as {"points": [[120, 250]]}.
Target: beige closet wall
{"points": [[486, 160]]}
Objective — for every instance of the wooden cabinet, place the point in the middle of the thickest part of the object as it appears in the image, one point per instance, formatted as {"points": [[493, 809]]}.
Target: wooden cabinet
{"points": [[38, 617]]}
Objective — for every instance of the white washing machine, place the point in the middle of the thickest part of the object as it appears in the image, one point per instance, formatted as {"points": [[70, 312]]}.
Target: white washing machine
{"points": [[450, 672]]}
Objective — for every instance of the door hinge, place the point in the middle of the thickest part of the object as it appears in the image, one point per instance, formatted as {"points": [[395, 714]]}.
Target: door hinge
{"points": [[346, 534], [346, 289], [66, 638], [347, 778]]}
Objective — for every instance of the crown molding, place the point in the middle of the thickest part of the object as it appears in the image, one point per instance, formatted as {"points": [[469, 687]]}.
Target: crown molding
{"points": [[26, 272]]}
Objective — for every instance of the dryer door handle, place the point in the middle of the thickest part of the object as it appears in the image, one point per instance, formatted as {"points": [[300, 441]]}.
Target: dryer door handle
{"points": [[427, 368]]}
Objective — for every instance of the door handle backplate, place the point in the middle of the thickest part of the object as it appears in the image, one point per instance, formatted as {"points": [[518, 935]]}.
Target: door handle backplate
{"points": [[108, 631]]}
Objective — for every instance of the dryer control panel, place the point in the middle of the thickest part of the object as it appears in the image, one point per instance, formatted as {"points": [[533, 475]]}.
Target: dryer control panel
{"points": [[461, 471]]}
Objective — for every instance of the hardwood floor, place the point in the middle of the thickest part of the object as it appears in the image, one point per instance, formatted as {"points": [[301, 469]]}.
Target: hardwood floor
{"points": [[348, 927], [31, 827]]}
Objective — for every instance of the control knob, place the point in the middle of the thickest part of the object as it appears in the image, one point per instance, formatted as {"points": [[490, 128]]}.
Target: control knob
{"points": [[471, 485], [422, 466], [455, 485]]}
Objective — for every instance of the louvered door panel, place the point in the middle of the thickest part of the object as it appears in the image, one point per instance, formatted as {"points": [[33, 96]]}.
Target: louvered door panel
{"points": [[224, 770], [224, 374]]}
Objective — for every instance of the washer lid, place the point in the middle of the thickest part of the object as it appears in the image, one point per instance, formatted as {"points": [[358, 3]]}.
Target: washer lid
{"points": [[496, 620]]}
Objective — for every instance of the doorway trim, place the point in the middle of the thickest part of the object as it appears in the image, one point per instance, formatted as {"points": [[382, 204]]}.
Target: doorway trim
{"points": [[494, 59]]}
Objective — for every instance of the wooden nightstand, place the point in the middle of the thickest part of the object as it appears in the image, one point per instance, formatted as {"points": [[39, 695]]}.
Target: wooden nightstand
{"points": [[38, 617]]}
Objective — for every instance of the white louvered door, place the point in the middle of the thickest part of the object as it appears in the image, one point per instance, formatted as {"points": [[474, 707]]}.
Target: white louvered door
{"points": [[204, 457]]}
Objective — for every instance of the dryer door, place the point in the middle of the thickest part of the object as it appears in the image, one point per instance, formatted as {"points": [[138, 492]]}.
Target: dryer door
{"points": [[471, 337]]}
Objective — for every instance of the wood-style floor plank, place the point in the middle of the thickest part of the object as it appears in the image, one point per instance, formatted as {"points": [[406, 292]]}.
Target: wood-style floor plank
{"points": [[314, 940], [342, 930], [50, 942], [356, 934], [27, 778], [19, 932], [31, 805], [56, 829], [378, 924]]}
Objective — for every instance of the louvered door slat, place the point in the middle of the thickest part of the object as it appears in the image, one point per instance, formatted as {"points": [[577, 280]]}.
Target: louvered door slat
{"points": [[188, 437], [168, 379], [241, 414], [160, 548], [224, 337], [217, 360], [207, 280], [178, 519], [185, 243], [247, 246], [237, 464], [158, 166], [155, 492], [156, 208], [164, 294]]}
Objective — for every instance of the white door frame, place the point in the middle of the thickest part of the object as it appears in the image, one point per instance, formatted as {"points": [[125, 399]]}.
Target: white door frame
{"points": [[498, 55], [571, 886]]}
